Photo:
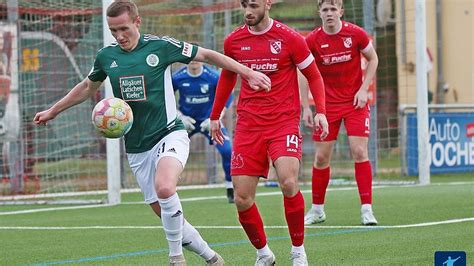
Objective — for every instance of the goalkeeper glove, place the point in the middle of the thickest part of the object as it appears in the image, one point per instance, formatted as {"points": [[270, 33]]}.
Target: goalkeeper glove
{"points": [[188, 122], [205, 125]]}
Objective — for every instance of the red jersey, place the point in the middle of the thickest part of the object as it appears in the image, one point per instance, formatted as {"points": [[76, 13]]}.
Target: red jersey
{"points": [[338, 58], [277, 52]]}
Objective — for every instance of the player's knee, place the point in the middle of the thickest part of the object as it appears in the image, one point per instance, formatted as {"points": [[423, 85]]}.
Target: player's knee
{"points": [[359, 153], [289, 186], [321, 160], [243, 202], [165, 190]]}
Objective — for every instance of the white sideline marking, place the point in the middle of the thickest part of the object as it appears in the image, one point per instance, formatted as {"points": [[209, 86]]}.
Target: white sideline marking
{"points": [[236, 226], [141, 202], [213, 197]]}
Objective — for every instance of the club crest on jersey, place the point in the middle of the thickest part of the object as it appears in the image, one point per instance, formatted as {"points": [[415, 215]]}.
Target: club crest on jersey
{"points": [[204, 88], [275, 47], [327, 60], [347, 42], [152, 60]]}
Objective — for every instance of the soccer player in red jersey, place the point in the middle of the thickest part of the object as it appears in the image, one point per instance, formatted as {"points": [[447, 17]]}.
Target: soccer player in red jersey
{"points": [[268, 121], [337, 48]]}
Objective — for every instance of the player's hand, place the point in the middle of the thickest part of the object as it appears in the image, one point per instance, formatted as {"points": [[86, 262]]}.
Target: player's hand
{"points": [[216, 132], [360, 99], [43, 117], [308, 117], [259, 81], [205, 125], [188, 122], [321, 125]]}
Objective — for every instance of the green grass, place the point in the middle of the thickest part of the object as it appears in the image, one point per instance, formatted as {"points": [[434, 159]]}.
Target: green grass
{"points": [[349, 246]]}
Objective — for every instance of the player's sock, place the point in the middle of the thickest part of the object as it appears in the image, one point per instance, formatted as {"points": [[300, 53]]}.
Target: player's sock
{"points": [[252, 223], [319, 208], [193, 241], [320, 184], [294, 214], [228, 184], [298, 249], [264, 251], [363, 176], [172, 219]]}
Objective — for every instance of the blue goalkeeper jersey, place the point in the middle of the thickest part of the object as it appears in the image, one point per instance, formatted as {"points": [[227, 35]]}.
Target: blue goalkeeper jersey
{"points": [[196, 93]]}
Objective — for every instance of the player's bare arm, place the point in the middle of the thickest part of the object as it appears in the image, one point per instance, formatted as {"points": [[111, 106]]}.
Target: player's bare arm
{"points": [[81, 92], [316, 85], [304, 94], [256, 80], [361, 97]]}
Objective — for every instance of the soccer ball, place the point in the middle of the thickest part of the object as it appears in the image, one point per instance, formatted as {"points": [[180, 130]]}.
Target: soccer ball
{"points": [[112, 117]]}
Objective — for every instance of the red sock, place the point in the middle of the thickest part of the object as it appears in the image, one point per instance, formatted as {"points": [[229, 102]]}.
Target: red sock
{"points": [[320, 184], [363, 175], [252, 223], [294, 213]]}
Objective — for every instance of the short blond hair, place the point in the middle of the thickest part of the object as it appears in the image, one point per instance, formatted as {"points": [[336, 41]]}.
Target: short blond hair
{"points": [[338, 3], [118, 7]]}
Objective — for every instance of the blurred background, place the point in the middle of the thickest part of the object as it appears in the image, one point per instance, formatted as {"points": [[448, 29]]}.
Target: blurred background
{"points": [[47, 46]]}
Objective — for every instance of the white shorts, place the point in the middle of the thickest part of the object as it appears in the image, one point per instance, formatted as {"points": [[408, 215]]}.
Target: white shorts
{"points": [[143, 164]]}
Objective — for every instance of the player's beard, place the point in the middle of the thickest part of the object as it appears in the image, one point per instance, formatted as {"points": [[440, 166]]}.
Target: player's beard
{"points": [[254, 22]]}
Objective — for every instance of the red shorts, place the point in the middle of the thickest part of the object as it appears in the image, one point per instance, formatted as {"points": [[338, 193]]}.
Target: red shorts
{"points": [[356, 121], [253, 150]]}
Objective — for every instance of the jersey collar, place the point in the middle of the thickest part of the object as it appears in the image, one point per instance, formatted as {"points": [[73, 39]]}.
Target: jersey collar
{"points": [[270, 25], [328, 33], [196, 75]]}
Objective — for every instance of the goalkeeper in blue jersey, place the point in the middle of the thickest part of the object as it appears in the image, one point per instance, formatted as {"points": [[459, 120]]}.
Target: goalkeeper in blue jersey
{"points": [[196, 84]]}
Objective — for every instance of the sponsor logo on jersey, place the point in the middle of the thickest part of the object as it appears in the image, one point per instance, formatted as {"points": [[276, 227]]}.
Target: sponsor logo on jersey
{"points": [[325, 45], [347, 42], [204, 88], [245, 48], [237, 161], [133, 88], [186, 84], [152, 60], [264, 66], [197, 100], [275, 47], [329, 60], [114, 64], [187, 49]]}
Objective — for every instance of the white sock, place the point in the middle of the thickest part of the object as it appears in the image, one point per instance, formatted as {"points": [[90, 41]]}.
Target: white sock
{"points": [[319, 208], [172, 219], [193, 241], [299, 249], [366, 208], [264, 251], [228, 184]]}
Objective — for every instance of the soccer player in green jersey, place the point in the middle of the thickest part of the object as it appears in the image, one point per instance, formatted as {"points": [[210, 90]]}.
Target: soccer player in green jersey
{"points": [[157, 146]]}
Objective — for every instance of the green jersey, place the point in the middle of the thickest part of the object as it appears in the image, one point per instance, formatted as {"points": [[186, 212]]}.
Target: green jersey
{"points": [[142, 77]]}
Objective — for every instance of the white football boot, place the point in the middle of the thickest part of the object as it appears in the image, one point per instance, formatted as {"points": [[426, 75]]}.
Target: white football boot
{"points": [[177, 260], [265, 260], [314, 216], [217, 260], [299, 259], [367, 215]]}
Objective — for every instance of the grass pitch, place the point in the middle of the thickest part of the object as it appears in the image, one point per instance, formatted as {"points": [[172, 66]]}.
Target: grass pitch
{"points": [[414, 222]]}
